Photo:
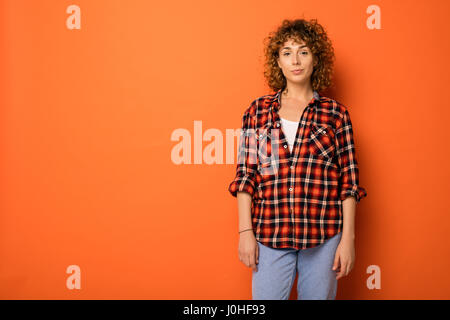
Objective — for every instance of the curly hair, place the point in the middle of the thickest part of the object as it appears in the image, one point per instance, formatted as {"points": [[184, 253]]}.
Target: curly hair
{"points": [[315, 37]]}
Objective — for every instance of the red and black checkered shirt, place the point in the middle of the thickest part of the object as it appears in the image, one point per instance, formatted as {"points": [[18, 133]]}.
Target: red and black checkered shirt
{"points": [[297, 195]]}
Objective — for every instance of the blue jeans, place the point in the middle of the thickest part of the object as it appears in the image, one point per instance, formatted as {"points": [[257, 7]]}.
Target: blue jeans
{"points": [[277, 269]]}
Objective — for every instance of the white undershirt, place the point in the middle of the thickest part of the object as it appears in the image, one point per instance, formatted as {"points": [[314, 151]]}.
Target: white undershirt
{"points": [[290, 131]]}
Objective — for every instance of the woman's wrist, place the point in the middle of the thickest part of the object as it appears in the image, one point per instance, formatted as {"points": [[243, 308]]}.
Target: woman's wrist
{"points": [[246, 229], [348, 236]]}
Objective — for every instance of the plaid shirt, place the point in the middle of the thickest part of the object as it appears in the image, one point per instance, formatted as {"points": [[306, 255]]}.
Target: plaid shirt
{"points": [[297, 196]]}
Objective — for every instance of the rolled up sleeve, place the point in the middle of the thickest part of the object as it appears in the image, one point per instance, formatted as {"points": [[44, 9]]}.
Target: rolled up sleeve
{"points": [[247, 158], [346, 156]]}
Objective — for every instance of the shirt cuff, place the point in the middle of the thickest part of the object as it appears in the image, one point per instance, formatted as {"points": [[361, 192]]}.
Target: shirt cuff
{"points": [[355, 191], [243, 183]]}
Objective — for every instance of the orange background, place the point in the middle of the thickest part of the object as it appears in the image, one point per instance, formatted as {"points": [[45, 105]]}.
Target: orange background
{"points": [[87, 176]]}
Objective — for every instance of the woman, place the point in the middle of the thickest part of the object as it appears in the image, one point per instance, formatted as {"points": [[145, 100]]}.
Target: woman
{"points": [[297, 178]]}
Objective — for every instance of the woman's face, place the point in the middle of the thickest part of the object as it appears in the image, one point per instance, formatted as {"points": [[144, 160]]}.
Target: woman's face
{"points": [[296, 56]]}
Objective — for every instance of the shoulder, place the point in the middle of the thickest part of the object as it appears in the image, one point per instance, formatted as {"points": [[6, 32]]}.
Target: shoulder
{"points": [[337, 110], [259, 106], [332, 105]]}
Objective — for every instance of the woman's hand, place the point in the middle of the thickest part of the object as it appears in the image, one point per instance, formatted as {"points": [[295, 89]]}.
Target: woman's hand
{"points": [[248, 249], [345, 257]]}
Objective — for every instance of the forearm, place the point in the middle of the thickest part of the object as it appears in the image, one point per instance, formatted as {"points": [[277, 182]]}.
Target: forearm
{"points": [[349, 208], [244, 208]]}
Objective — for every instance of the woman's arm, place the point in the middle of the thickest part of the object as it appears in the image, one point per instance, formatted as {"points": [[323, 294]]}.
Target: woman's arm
{"points": [[244, 207], [348, 209], [346, 156], [243, 188], [350, 194], [248, 247], [344, 258]]}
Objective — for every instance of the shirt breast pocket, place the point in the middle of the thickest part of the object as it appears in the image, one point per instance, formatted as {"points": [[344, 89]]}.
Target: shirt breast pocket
{"points": [[321, 142], [267, 160]]}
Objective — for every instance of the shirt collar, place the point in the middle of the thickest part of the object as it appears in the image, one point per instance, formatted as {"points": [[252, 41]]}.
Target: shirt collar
{"points": [[276, 104], [277, 97]]}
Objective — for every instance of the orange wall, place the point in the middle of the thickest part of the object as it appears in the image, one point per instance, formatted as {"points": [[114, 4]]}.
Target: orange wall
{"points": [[87, 172]]}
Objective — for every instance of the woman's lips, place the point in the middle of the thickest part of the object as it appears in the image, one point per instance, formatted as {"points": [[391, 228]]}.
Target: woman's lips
{"points": [[297, 71]]}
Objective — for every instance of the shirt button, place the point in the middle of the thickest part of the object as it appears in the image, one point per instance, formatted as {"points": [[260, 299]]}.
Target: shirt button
{"points": [[285, 146], [278, 124], [260, 136], [292, 167], [290, 189]]}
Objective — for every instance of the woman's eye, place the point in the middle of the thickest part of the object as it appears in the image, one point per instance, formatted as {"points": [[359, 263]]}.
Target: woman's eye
{"points": [[287, 53]]}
